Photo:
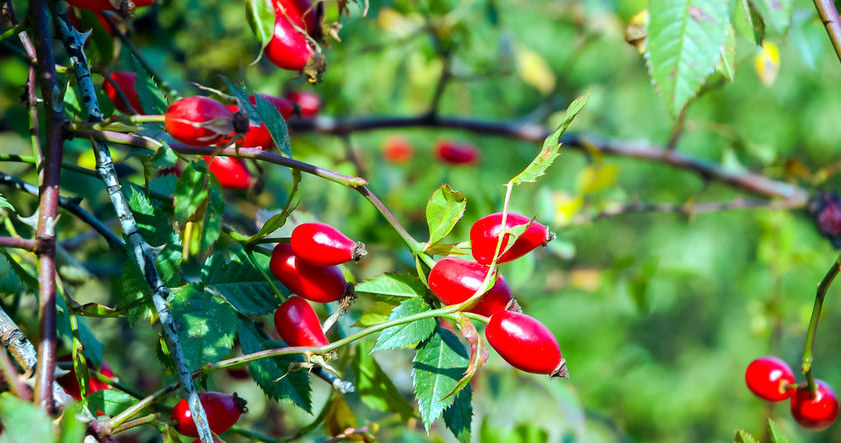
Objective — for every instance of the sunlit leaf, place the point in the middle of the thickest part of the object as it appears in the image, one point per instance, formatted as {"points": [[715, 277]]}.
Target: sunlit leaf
{"points": [[443, 211]]}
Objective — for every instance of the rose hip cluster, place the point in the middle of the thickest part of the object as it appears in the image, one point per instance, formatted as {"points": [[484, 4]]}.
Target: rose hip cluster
{"points": [[521, 340], [308, 266], [772, 379]]}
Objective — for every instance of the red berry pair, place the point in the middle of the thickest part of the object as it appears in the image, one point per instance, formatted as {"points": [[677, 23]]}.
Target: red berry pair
{"points": [[773, 380], [222, 410], [297, 27], [307, 265]]}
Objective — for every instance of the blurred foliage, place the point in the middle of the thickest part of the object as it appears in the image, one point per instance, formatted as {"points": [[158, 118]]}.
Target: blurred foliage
{"points": [[657, 315]]}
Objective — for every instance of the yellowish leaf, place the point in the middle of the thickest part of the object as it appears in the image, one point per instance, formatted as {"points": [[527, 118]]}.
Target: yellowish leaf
{"points": [[566, 206], [767, 63], [534, 70], [636, 34], [594, 178]]}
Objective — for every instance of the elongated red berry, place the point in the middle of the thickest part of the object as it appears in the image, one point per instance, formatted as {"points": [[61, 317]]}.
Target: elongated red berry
{"points": [[230, 171], [397, 149], [105, 5], [770, 378], [454, 280], [308, 102], [258, 136], [76, 19], [484, 235], [201, 121], [289, 47], [456, 153], [297, 323], [323, 245], [71, 384], [525, 343], [126, 82], [321, 284], [223, 411], [310, 13], [816, 413]]}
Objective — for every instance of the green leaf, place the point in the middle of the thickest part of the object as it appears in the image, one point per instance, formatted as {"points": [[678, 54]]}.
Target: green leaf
{"points": [[551, 146], [261, 18], [72, 104], [101, 49], [239, 281], [748, 21], [438, 365], [727, 63], [273, 375], [407, 334], [164, 184], [206, 325], [375, 314], [443, 211], [110, 401], [460, 414], [777, 13], [24, 421], [744, 437], [10, 283], [152, 220], [164, 157], [390, 287], [212, 226], [191, 190], [270, 116], [169, 261], [272, 224], [374, 386], [24, 275], [775, 434], [685, 38], [91, 344], [4, 204], [133, 294], [151, 98], [71, 429]]}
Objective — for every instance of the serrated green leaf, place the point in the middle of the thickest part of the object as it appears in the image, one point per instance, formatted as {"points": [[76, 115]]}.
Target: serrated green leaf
{"points": [[272, 224], [212, 226], [206, 325], [110, 401], [390, 287], [744, 437], [551, 146], [271, 117], [407, 334], [152, 221], [775, 434], [460, 414], [444, 209], [28, 277], [191, 190], [10, 283], [375, 387], [164, 157], [239, 282], [261, 18], [72, 105], [71, 429], [24, 421], [375, 314], [748, 22], [727, 63], [777, 13], [273, 375], [164, 185], [4, 204], [685, 38], [148, 92], [169, 261], [438, 365], [132, 293]]}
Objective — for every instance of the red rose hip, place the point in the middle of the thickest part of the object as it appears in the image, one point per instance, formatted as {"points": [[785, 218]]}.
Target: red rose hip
{"points": [[484, 235], [770, 378], [816, 413], [126, 82], [525, 343], [308, 102], [230, 171], [297, 323], [456, 153], [258, 135], [222, 410], [454, 280], [289, 47], [201, 121], [321, 284], [323, 245], [397, 150]]}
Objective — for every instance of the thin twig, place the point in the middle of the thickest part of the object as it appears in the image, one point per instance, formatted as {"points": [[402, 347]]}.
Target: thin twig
{"points": [[31, 245], [809, 348], [832, 22]]}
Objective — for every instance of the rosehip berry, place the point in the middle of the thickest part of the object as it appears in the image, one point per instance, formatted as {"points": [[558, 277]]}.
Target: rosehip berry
{"points": [[484, 235], [454, 280], [239, 373], [104, 5], [297, 323], [200, 121], [525, 343], [126, 82], [321, 284], [456, 153], [71, 384], [323, 245], [223, 411], [258, 136], [289, 47], [770, 378], [75, 19], [816, 413], [230, 171], [308, 102], [304, 8], [397, 150]]}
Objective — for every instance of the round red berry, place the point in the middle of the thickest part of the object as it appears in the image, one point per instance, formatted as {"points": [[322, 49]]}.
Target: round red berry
{"points": [[258, 135], [321, 284], [323, 245], [198, 121], [308, 102], [297, 323], [770, 378], [397, 150], [230, 171], [816, 413], [222, 410], [484, 235], [454, 280], [525, 343]]}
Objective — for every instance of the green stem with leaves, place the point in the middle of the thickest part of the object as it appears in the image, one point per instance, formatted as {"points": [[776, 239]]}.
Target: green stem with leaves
{"points": [[808, 351]]}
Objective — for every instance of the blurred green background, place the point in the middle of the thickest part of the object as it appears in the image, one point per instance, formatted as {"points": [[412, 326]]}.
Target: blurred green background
{"points": [[657, 314]]}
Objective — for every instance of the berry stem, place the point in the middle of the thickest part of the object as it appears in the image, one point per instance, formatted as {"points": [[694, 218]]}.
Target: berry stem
{"points": [[809, 348]]}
